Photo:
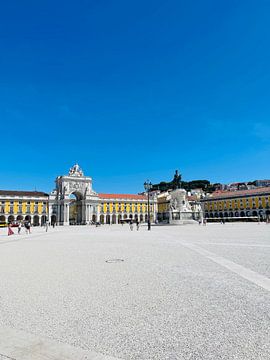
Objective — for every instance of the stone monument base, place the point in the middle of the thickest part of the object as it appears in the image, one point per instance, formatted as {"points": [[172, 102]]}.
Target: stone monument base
{"points": [[183, 222]]}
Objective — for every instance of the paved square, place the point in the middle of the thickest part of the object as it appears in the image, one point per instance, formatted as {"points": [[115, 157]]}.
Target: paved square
{"points": [[181, 292]]}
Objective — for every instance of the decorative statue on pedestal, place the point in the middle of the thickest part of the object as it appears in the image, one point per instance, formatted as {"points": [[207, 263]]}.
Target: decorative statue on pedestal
{"points": [[75, 171], [176, 183]]}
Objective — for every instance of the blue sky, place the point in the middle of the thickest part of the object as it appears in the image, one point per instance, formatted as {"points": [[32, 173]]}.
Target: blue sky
{"points": [[132, 90]]}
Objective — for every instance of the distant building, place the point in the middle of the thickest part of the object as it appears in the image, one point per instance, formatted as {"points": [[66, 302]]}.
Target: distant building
{"points": [[74, 202], [262, 183], [237, 204], [23, 206]]}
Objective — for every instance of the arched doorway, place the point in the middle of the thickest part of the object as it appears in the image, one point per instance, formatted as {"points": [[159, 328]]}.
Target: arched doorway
{"points": [[43, 219], [94, 218], [28, 218], [141, 218], [114, 219], [102, 219], [36, 220], [108, 219], [242, 214], [254, 213], [119, 219], [2, 219], [19, 218], [11, 219], [75, 208]]}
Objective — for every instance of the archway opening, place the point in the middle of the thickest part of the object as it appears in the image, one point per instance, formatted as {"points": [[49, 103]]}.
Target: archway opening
{"points": [[75, 208], [19, 218], [2, 219], [28, 218], [36, 220], [11, 219]]}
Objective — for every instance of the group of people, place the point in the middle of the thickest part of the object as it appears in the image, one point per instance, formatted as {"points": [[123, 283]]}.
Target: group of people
{"points": [[203, 222], [137, 225], [27, 226]]}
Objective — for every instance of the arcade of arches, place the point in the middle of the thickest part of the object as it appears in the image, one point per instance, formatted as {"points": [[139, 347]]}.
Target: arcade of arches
{"points": [[254, 203]]}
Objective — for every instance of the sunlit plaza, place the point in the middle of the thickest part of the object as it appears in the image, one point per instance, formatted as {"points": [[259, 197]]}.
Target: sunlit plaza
{"points": [[175, 292]]}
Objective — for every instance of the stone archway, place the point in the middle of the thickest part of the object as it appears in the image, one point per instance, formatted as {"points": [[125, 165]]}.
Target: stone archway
{"points": [[75, 200], [75, 208]]}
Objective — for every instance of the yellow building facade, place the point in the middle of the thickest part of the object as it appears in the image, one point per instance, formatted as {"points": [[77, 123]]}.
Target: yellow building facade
{"points": [[253, 203], [18, 206], [116, 208]]}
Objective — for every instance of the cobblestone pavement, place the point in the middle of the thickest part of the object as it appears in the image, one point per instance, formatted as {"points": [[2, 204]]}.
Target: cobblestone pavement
{"points": [[180, 292]]}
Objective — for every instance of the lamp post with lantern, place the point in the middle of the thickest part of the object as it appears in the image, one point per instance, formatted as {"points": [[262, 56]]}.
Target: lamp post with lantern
{"points": [[148, 186]]}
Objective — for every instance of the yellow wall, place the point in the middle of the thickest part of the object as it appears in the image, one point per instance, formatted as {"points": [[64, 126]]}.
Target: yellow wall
{"points": [[7, 206], [40, 207]]}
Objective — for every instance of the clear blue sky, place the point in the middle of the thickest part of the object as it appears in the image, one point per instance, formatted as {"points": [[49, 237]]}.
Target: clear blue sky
{"points": [[133, 90]]}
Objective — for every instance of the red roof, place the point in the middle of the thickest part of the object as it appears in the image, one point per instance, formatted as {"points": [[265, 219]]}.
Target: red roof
{"points": [[122, 196], [231, 194], [22, 193]]}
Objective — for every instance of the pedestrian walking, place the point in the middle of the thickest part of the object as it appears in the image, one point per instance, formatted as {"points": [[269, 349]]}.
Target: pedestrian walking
{"points": [[19, 228], [138, 225], [27, 227], [10, 232], [46, 226], [131, 225]]}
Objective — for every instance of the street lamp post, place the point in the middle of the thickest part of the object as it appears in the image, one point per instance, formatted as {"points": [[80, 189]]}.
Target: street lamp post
{"points": [[148, 187]]}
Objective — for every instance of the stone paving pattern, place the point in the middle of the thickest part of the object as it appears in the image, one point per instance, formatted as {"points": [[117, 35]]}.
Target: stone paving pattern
{"points": [[164, 301]]}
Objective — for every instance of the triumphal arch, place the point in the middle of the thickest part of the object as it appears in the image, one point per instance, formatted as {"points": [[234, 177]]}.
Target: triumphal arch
{"points": [[73, 201]]}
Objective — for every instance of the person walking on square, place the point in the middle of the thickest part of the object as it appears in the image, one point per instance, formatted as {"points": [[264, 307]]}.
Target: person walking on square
{"points": [[137, 224], [27, 227], [19, 228], [46, 226], [131, 225], [10, 232]]}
